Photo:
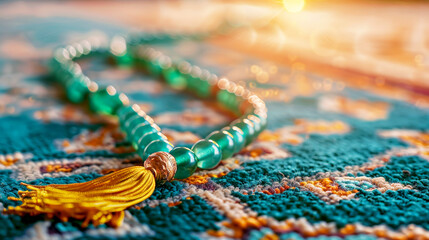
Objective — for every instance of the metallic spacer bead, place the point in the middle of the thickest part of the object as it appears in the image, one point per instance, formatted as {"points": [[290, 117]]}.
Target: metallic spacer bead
{"points": [[162, 165]]}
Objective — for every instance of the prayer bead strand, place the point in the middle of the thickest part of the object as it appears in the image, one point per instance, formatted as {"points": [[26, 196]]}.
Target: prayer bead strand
{"points": [[141, 131]]}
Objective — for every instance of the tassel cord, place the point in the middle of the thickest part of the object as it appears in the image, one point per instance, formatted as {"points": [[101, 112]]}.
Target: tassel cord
{"points": [[122, 175], [121, 192], [99, 201], [101, 191]]}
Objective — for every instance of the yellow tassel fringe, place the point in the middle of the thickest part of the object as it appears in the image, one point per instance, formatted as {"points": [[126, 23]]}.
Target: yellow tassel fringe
{"points": [[100, 201]]}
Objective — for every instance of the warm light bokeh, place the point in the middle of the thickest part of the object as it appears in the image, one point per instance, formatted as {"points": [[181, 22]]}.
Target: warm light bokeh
{"points": [[294, 5]]}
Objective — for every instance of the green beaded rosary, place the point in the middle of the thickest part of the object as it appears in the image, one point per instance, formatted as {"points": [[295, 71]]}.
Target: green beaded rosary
{"points": [[103, 200]]}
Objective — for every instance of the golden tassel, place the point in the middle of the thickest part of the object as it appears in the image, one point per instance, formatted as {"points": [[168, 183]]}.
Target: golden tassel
{"points": [[102, 200]]}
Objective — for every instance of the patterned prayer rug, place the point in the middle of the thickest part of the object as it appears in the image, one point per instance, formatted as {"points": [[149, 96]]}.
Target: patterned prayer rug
{"points": [[334, 163]]}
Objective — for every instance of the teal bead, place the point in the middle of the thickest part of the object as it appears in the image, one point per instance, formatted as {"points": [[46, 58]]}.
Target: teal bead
{"points": [[138, 132], [228, 100], [104, 103], [204, 90], [225, 141], [128, 119], [125, 60], [256, 123], [157, 146], [133, 123], [191, 83], [141, 63], [77, 89], [238, 137], [198, 86], [66, 72], [208, 154], [174, 78], [124, 113], [55, 64], [263, 121], [186, 162], [154, 68], [247, 127], [147, 138], [123, 121]]}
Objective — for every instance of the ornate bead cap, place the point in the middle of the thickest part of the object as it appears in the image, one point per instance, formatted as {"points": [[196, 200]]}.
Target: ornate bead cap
{"points": [[162, 165]]}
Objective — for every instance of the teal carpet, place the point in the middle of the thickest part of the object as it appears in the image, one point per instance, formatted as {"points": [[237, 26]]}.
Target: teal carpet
{"points": [[334, 163]]}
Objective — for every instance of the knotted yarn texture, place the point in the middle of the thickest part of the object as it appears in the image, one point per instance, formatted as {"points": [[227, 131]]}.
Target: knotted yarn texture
{"points": [[100, 201]]}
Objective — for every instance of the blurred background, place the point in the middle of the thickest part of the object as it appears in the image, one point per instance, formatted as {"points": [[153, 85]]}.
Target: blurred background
{"points": [[375, 45]]}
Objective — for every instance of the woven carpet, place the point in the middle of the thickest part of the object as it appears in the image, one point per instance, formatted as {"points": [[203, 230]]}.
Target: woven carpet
{"points": [[334, 163]]}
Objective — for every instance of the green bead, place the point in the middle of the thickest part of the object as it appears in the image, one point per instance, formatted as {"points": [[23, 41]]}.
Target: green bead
{"points": [[138, 132], [148, 138], [228, 100], [104, 103], [256, 123], [77, 89], [174, 78], [125, 60], [154, 68], [157, 146], [208, 154], [247, 127], [204, 90], [124, 118], [124, 113], [263, 121], [198, 86], [133, 123], [186, 162], [56, 63], [128, 119], [66, 72], [225, 141], [141, 63], [191, 83], [238, 137]]}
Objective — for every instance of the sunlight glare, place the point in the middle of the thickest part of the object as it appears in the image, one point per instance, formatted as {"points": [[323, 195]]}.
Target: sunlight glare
{"points": [[294, 5]]}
